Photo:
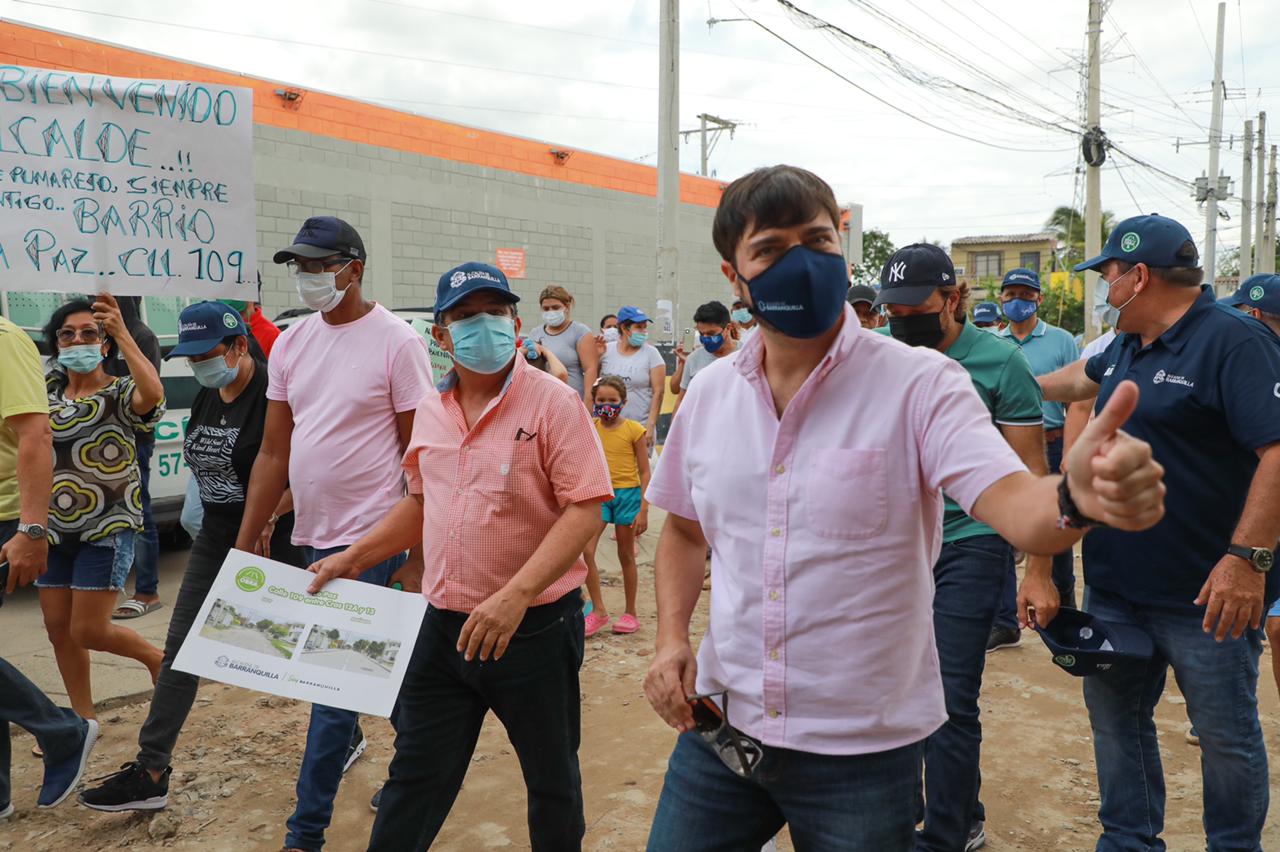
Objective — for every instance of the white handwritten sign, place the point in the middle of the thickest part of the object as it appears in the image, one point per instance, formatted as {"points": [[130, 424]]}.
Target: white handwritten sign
{"points": [[137, 187]]}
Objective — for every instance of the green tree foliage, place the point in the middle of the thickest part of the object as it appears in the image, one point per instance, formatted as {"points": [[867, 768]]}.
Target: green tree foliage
{"points": [[877, 248], [1068, 224], [1061, 308]]}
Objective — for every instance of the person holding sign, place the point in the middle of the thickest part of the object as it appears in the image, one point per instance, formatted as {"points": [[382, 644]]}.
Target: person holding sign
{"points": [[222, 441], [343, 387], [506, 481], [96, 508]]}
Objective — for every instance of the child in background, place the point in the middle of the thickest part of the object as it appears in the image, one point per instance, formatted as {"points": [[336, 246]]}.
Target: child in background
{"points": [[627, 453]]}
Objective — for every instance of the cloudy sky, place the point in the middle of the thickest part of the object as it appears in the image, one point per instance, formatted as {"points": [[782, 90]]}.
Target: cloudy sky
{"points": [[1002, 73]]}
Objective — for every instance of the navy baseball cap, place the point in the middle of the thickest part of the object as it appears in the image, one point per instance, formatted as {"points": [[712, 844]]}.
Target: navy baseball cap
{"points": [[461, 281], [1152, 239], [1021, 277], [862, 293], [913, 273], [629, 313], [1083, 645], [986, 312], [203, 325], [321, 236], [1261, 291]]}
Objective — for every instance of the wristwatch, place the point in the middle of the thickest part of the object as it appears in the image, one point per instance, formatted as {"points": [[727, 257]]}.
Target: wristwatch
{"points": [[1261, 558], [1069, 516], [36, 532]]}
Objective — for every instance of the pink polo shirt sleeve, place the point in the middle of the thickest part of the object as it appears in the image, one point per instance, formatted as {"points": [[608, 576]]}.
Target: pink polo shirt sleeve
{"points": [[671, 486], [961, 451]]}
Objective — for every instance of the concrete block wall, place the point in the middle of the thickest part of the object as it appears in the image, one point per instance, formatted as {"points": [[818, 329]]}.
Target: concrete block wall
{"points": [[420, 215]]}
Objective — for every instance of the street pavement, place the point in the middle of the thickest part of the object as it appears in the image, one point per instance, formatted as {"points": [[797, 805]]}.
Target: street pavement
{"points": [[345, 659]]}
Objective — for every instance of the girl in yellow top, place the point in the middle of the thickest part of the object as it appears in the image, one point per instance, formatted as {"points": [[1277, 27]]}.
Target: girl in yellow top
{"points": [[627, 453]]}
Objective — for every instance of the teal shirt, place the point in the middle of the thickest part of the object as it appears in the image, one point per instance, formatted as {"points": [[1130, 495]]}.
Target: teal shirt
{"points": [[1008, 388], [1047, 348]]}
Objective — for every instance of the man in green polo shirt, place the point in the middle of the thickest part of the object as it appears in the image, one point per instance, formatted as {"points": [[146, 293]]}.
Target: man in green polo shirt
{"points": [[927, 308]]}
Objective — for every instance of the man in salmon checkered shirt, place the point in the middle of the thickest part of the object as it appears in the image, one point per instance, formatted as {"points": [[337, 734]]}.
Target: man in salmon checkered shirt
{"points": [[506, 477]]}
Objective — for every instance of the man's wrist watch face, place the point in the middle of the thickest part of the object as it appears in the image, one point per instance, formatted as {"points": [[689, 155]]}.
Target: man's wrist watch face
{"points": [[1261, 558], [33, 531]]}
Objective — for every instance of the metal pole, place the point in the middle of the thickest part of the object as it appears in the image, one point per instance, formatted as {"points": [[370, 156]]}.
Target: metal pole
{"points": [[1246, 204], [704, 171], [1260, 191], [668, 201], [1215, 142], [1093, 174], [1268, 263]]}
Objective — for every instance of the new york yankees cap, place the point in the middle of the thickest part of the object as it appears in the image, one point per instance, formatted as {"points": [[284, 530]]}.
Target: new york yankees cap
{"points": [[913, 273]]}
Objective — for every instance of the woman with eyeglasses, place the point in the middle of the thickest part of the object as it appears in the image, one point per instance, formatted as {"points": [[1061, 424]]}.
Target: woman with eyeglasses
{"points": [[96, 505]]}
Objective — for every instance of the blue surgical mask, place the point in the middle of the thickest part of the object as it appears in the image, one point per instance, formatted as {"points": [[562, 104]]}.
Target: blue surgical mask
{"points": [[215, 372], [741, 316], [84, 358], [483, 343], [1105, 312], [1020, 310], [638, 338], [802, 294], [712, 342]]}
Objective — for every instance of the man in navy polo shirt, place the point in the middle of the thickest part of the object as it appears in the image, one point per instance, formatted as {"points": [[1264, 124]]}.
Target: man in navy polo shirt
{"points": [[1047, 348], [1199, 581]]}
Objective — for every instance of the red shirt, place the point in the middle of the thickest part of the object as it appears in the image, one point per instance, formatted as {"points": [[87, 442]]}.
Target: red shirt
{"points": [[264, 330], [491, 494]]}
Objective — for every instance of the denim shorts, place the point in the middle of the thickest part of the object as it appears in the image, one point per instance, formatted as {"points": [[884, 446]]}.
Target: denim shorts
{"points": [[623, 508], [96, 566]]}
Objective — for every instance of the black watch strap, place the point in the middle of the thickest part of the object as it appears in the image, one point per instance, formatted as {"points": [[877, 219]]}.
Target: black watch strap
{"points": [[1260, 558]]}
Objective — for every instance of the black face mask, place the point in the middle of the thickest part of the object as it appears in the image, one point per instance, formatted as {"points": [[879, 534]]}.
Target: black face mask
{"points": [[918, 329]]}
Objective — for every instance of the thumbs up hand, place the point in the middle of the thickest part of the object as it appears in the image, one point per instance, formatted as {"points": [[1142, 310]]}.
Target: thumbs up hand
{"points": [[1112, 476]]}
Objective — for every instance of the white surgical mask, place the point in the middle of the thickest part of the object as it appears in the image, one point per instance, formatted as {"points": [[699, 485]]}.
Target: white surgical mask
{"points": [[1105, 312], [553, 319], [611, 334], [319, 290]]}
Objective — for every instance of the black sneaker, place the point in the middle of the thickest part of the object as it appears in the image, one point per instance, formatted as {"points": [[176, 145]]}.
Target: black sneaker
{"points": [[376, 800], [355, 748], [1003, 637], [977, 837], [130, 789]]}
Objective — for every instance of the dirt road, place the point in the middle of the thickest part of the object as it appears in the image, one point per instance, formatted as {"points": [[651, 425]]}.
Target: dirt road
{"points": [[236, 765]]}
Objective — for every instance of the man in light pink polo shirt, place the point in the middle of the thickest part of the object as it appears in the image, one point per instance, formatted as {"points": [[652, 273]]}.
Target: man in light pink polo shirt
{"points": [[824, 517], [506, 478], [343, 387]]}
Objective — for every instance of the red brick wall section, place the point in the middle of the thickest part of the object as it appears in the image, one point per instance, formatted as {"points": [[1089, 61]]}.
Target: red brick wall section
{"points": [[340, 118]]}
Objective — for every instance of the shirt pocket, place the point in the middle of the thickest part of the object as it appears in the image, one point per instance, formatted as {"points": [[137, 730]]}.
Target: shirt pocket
{"points": [[500, 471], [847, 493]]}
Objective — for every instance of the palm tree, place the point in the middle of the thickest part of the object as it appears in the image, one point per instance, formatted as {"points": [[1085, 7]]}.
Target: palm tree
{"points": [[1067, 224]]}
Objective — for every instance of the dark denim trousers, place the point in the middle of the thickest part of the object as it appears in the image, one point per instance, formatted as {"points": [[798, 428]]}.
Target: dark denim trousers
{"points": [[968, 579], [328, 737], [1064, 569], [533, 690], [146, 544], [56, 729], [1220, 683], [830, 803]]}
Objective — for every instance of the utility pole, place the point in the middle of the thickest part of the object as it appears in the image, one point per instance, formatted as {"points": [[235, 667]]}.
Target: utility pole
{"points": [[1093, 173], [709, 130], [1246, 204], [1215, 143], [1268, 263], [668, 201], [1259, 195]]}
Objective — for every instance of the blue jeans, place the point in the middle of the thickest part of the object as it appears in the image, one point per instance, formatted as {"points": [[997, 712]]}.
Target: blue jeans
{"points": [[58, 730], [1064, 570], [967, 580], [146, 544], [829, 802], [534, 692], [328, 737], [1220, 683]]}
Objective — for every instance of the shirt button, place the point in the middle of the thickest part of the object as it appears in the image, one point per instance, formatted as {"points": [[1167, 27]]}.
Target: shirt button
{"points": [[780, 469], [773, 655], [773, 595], [773, 714], [775, 532]]}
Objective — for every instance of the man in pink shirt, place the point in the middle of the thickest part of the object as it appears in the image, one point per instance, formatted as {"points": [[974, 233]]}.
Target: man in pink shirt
{"points": [[506, 478], [824, 518], [342, 390]]}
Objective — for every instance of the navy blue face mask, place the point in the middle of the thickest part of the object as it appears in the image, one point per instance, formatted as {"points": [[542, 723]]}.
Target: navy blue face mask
{"points": [[712, 342], [802, 294]]}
